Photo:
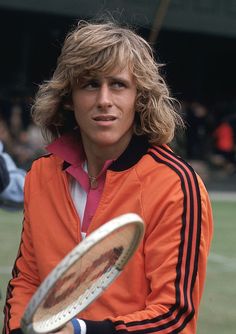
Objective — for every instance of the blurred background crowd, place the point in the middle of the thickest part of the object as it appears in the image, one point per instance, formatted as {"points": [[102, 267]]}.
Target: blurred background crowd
{"points": [[20, 137]]}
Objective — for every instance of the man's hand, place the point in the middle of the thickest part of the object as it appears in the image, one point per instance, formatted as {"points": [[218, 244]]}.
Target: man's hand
{"points": [[67, 329]]}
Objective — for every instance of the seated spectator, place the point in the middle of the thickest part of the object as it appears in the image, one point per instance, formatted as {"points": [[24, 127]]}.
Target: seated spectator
{"points": [[196, 116], [4, 175], [12, 182], [224, 145]]}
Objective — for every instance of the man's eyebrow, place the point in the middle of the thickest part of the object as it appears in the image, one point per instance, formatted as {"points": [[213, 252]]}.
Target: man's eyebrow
{"points": [[89, 77], [118, 77], [85, 79]]}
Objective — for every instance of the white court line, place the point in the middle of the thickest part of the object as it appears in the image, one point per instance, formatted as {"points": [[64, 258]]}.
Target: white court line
{"points": [[220, 258], [229, 196], [225, 263]]}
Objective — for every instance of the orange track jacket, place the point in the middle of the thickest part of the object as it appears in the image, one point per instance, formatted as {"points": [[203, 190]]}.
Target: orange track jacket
{"points": [[160, 288]]}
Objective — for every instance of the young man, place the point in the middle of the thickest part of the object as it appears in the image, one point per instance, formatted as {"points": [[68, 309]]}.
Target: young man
{"points": [[108, 117]]}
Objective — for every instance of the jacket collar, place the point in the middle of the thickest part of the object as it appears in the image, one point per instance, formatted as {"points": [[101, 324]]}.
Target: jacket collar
{"points": [[68, 147], [136, 149]]}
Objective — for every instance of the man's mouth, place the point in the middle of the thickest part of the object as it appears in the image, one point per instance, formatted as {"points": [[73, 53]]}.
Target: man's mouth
{"points": [[104, 118]]}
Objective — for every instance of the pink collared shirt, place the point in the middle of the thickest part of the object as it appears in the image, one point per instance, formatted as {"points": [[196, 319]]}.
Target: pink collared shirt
{"points": [[69, 148]]}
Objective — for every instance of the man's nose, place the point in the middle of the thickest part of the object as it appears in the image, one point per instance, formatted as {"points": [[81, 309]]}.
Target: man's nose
{"points": [[104, 99]]}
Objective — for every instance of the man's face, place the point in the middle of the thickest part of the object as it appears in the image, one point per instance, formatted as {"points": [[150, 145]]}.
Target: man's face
{"points": [[104, 108]]}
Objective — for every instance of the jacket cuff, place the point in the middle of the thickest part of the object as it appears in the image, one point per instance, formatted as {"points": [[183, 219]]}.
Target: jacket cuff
{"points": [[16, 331], [100, 327]]}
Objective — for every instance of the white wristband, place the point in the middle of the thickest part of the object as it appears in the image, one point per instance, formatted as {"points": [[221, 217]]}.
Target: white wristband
{"points": [[83, 327]]}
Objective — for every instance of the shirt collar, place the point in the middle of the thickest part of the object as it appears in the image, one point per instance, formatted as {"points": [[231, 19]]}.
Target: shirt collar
{"points": [[69, 148]]}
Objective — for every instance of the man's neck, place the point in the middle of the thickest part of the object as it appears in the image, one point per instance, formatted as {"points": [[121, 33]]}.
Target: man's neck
{"points": [[96, 160], [97, 157]]}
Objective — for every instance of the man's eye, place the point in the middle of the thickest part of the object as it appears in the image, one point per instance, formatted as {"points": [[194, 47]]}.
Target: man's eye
{"points": [[90, 85], [118, 84]]}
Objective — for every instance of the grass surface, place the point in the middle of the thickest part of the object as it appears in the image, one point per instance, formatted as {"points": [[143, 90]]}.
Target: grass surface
{"points": [[218, 307], [10, 230]]}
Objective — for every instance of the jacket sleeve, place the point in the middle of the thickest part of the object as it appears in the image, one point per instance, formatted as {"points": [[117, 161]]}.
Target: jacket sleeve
{"points": [[176, 251], [25, 278]]}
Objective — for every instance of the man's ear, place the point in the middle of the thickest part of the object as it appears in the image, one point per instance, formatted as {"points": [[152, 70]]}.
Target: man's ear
{"points": [[68, 106], [68, 103]]}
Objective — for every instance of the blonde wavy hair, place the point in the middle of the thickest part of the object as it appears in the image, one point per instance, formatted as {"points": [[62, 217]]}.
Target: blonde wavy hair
{"points": [[93, 48]]}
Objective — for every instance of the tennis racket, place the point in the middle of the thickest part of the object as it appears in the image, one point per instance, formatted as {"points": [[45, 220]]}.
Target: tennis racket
{"points": [[83, 274]]}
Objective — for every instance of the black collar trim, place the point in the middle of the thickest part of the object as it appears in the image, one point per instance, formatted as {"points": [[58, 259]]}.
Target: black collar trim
{"points": [[136, 149]]}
